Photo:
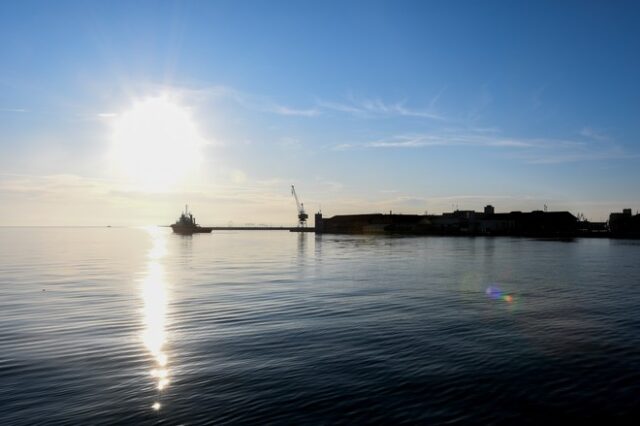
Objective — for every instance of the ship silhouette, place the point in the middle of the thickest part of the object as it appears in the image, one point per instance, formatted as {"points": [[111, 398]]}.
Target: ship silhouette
{"points": [[186, 224]]}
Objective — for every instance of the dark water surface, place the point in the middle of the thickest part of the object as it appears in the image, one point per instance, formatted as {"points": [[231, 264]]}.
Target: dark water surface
{"points": [[98, 325]]}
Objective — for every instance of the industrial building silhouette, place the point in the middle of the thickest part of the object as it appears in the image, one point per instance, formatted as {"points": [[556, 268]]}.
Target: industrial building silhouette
{"points": [[536, 223]]}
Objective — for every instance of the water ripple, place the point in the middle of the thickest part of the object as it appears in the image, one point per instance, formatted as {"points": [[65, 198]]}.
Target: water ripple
{"points": [[134, 326]]}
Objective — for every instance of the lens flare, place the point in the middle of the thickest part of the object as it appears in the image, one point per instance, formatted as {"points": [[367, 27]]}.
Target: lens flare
{"points": [[494, 293]]}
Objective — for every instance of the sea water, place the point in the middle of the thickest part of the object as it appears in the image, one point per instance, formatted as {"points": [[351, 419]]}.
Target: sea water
{"points": [[141, 326]]}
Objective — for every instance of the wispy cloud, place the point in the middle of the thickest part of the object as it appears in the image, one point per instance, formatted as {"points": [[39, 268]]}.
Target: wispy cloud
{"points": [[284, 110], [427, 140], [253, 102], [591, 133], [346, 146], [340, 107], [529, 150], [441, 138], [362, 107], [376, 107], [18, 110]]}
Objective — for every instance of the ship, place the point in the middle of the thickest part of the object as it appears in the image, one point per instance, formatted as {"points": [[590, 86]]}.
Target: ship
{"points": [[186, 224]]}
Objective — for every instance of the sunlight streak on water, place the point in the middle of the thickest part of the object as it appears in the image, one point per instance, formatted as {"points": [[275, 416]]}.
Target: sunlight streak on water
{"points": [[154, 295]]}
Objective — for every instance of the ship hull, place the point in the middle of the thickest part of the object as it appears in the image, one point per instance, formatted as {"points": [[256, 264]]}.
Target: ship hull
{"points": [[188, 230]]}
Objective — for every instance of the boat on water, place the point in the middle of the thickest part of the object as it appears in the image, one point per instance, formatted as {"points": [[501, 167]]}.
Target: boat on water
{"points": [[186, 224]]}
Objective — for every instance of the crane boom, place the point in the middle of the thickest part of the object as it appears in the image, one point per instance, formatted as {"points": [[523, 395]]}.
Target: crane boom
{"points": [[293, 191], [302, 216]]}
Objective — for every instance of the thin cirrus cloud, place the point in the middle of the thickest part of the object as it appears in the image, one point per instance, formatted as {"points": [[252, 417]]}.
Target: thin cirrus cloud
{"points": [[417, 141], [439, 139], [529, 150], [376, 107], [251, 101], [356, 106], [284, 110], [591, 133]]}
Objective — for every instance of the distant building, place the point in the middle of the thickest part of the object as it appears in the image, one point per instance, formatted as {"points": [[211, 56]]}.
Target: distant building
{"points": [[459, 222], [624, 224]]}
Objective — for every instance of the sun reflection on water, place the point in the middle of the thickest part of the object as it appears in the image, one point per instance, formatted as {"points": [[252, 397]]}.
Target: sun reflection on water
{"points": [[154, 295]]}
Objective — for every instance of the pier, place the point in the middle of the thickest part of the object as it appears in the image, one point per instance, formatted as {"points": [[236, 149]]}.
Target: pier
{"points": [[263, 228]]}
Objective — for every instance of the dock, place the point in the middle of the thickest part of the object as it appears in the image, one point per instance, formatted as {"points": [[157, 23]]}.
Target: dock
{"points": [[263, 228]]}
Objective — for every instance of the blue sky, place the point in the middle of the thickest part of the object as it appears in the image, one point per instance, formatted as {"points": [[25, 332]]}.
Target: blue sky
{"points": [[365, 106]]}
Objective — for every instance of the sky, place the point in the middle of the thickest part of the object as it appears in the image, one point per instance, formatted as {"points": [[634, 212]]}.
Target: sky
{"points": [[120, 113]]}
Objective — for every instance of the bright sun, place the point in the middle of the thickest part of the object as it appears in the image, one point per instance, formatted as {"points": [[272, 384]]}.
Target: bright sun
{"points": [[156, 144]]}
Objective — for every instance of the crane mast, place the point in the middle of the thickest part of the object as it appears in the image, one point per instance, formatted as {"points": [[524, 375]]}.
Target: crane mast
{"points": [[302, 216]]}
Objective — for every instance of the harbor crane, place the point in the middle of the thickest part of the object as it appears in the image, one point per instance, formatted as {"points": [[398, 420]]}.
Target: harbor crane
{"points": [[302, 216]]}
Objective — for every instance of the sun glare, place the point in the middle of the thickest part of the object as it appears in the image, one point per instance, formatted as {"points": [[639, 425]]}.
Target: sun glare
{"points": [[156, 144]]}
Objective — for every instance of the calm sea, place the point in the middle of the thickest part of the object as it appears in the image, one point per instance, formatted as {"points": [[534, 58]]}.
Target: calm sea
{"points": [[140, 326]]}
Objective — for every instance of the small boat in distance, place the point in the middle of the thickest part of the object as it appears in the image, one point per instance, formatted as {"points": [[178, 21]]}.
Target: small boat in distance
{"points": [[186, 224]]}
